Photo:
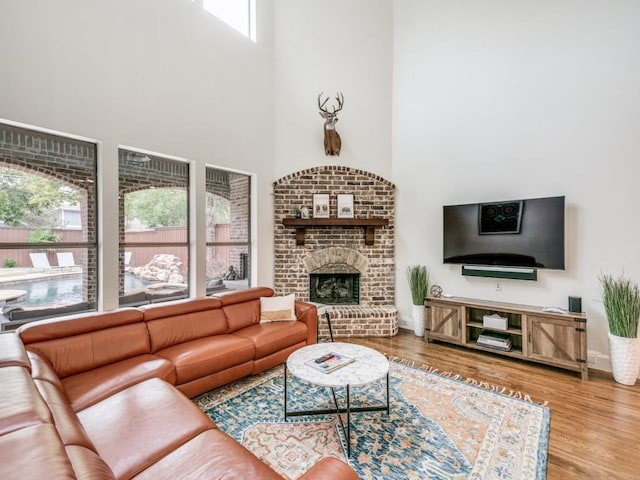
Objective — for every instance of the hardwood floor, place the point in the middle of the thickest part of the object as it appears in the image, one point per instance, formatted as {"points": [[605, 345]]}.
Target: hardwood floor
{"points": [[595, 425]]}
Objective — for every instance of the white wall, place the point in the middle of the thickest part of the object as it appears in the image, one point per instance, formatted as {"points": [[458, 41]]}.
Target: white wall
{"points": [[504, 99], [492, 99], [333, 46], [163, 76]]}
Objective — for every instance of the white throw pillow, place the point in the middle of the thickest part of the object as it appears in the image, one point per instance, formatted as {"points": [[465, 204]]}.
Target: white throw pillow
{"points": [[277, 309]]}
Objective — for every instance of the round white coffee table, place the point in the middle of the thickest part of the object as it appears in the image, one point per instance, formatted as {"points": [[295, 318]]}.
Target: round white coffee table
{"points": [[367, 367]]}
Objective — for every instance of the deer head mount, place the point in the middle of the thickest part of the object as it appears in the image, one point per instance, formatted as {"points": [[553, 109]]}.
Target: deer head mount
{"points": [[332, 142]]}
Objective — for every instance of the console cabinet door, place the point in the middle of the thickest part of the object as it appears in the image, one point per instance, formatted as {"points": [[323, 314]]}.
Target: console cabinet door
{"points": [[555, 341], [444, 322]]}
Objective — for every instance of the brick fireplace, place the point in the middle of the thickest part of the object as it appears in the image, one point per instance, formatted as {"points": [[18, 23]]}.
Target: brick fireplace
{"points": [[355, 281]]}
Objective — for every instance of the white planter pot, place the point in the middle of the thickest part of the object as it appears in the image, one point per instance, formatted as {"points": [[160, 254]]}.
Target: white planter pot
{"points": [[625, 358], [417, 313]]}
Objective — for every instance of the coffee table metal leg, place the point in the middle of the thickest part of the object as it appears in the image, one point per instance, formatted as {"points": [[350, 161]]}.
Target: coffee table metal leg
{"points": [[285, 391], [348, 421], [387, 393], [346, 430]]}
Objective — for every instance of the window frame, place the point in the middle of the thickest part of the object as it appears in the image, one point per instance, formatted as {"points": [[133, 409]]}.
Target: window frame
{"points": [[248, 242], [91, 289], [123, 245]]}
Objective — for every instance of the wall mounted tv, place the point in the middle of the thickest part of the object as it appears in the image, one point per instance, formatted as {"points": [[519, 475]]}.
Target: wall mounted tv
{"points": [[511, 233]]}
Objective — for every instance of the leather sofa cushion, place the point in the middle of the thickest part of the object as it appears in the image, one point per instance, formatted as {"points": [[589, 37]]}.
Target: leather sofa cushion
{"points": [[86, 351], [330, 467], [34, 452], [88, 464], [66, 421], [211, 455], [41, 369], [166, 332], [243, 296], [87, 388], [214, 380], [154, 312], [63, 327], [138, 426], [205, 356], [241, 315], [272, 337], [22, 406]]}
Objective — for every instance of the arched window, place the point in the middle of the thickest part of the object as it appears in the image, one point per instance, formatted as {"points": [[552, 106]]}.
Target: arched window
{"points": [[48, 225], [154, 228], [228, 234]]}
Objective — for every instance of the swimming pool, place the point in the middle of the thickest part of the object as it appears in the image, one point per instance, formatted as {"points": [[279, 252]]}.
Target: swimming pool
{"points": [[63, 290]]}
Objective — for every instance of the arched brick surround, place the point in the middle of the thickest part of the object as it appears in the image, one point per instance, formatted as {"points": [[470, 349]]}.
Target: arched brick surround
{"points": [[321, 259]]}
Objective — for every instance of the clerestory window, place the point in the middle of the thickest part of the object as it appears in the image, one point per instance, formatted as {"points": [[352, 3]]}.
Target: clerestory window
{"points": [[238, 14]]}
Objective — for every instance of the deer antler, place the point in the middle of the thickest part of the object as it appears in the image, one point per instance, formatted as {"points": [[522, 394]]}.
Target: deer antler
{"points": [[339, 99], [321, 105]]}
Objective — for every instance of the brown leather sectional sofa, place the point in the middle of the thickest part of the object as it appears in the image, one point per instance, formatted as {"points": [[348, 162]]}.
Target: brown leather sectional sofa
{"points": [[104, 395]]}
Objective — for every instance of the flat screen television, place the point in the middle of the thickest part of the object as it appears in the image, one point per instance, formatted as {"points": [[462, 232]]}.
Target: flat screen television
{"points": [[511, 233]]}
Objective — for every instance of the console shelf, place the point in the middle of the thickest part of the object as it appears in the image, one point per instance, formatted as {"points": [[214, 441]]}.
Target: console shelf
{"points": [[369, 225], [557, 339]]}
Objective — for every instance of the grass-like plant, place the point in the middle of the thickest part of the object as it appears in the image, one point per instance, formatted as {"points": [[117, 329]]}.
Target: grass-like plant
{"points": [[418, 278], [621, 299]]}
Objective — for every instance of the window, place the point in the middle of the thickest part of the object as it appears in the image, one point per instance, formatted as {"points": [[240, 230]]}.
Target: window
{"points": [[228, 235], [48, 257], [238, 14], [154, 228]]}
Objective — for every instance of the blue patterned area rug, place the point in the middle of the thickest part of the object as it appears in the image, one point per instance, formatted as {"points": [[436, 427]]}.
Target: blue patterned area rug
{"points": [[440, 427]]}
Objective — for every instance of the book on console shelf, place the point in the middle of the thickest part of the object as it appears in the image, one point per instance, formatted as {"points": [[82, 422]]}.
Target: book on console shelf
{"points": [[329, 362], [499, 341]]}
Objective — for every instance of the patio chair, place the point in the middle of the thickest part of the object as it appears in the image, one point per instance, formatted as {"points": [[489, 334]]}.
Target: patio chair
{"points": [[65, 259], [39, 260]]}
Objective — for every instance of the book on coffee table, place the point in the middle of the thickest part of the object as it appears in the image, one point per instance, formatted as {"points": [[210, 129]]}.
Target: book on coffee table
{"points": [[329, 362]]}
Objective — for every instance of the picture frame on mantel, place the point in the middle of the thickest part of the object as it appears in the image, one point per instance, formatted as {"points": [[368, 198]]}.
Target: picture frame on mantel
{"points": [[321, 205], [345, 205]]}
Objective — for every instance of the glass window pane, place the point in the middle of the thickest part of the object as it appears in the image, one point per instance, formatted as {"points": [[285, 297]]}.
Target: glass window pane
{"points": [[228, 221], [154, 228], [228, 204], [48, 221], [228, 267], [45, 279], [234, 13], [156, 270]]}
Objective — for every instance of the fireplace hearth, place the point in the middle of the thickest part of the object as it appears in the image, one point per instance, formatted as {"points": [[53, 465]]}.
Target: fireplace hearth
{"points": [[335, 288]]}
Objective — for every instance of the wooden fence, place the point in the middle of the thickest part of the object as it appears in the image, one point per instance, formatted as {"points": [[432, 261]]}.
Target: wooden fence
{"points": [[139, 255]]}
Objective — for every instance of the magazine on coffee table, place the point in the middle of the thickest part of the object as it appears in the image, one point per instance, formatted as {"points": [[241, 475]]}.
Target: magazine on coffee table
{"points": [[329, 362]]}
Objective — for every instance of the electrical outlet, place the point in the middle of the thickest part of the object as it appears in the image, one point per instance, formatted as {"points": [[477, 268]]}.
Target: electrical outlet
{"points": [[498, 287]]}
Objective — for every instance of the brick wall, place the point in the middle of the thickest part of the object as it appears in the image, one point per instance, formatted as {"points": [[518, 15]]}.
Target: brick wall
{"points": [[373, 197]]}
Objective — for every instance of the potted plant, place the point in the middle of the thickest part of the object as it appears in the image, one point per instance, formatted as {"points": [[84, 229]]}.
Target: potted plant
{"points": [[621, 299], [418, 278]]}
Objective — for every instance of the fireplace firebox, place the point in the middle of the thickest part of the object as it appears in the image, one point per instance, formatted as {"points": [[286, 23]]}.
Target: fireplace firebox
{"points": [[335, 288]]}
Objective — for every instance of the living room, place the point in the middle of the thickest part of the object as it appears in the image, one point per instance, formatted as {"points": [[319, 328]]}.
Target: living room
{"points": [[452, 102]]}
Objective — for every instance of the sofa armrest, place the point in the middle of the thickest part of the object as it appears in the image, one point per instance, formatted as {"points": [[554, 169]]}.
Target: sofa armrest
{"points": [[308, 313], [330, 468], [12, 352]]}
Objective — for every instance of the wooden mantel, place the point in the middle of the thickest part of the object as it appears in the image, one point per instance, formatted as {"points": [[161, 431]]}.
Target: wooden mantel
{"points": [[369, 225]]}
